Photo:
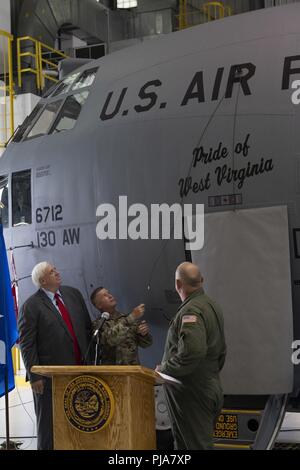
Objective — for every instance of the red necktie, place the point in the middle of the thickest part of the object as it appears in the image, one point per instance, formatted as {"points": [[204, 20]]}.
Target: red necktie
{"points": [[67, 319]]}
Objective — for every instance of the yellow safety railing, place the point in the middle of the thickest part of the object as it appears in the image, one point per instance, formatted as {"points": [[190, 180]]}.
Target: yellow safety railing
{"points": [[40, 66], [216, 10], [6, 88], [33, 44], [43, 50], [183, 20], [192, 13]]}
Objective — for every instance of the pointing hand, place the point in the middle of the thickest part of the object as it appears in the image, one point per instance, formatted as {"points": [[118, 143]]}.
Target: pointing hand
{"points": [[138, 311]]}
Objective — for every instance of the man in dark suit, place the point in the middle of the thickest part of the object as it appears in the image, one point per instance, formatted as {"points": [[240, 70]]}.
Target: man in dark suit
{"points": [[55, 329]]}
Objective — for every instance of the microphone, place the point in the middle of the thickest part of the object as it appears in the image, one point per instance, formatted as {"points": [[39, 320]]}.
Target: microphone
{"points": [[103, 317]]}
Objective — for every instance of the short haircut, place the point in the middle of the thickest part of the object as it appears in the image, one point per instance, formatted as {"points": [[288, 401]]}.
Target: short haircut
{"points": [[94, 293], [189, 274], [38, 272]]}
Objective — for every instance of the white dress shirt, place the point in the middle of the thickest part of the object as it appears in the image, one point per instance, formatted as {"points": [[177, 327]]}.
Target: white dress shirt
{"points": [[52, 298]]}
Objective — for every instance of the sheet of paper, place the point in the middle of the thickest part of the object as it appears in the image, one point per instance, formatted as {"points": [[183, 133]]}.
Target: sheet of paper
{"points": [[168, 378]]}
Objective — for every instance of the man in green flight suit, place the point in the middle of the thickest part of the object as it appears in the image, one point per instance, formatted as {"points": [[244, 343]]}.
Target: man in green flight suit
{"points": [[121, 334], [194, 354]]}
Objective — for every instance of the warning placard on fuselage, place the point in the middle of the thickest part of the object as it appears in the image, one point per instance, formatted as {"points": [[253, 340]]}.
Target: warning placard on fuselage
{"points": [[237, 425], [227, 427]]}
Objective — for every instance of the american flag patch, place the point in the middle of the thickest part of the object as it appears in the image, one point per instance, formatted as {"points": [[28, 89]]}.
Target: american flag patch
{"points": [[189, 319]]}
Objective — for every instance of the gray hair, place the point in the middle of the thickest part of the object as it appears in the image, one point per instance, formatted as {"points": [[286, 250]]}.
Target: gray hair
{"points": [[38, 272]]}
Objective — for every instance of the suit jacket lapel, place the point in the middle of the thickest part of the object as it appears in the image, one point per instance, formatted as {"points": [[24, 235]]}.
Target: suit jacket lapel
{"points": [[47, 302]]}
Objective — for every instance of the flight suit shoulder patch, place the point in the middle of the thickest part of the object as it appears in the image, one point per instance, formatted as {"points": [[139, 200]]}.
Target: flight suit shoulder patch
{"points": [[189, 319]]}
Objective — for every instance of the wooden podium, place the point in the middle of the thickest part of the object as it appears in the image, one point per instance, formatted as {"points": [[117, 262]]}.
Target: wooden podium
{"points": [[130, 398]]}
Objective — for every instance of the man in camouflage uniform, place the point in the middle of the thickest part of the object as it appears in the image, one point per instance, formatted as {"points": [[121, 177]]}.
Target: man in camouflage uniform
{"points": [[121, 334], [194, 354]]}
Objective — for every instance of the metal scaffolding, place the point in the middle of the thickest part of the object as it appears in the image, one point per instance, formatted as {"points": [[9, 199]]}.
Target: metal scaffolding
{"points": [[6, 88]]}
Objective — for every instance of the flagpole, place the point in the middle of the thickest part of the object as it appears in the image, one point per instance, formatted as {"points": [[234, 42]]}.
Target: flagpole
{"points": [[9, 333], [6, 379], [6, 407], [6, 375]]}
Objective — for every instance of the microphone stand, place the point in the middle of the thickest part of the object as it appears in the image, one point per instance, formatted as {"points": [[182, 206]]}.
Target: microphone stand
{"points": [[103, 318], [96, 349], [87, 351]]}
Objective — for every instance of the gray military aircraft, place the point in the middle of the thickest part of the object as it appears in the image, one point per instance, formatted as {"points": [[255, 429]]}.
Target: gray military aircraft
{"points": [[208, 115]]}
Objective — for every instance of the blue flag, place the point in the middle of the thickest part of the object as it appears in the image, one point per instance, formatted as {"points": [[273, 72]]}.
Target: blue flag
{"points": [[8, 324]]}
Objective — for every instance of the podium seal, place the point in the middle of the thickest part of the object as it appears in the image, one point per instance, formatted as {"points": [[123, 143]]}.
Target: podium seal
{"points": [[88, 403]]}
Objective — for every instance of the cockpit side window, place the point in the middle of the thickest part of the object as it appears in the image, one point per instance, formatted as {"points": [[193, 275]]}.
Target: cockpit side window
{"points": [[41, 119], [21, 198], [22, 129], [69, 112], [45, 119], [65, 85], [86, 79], [4, 201]]}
